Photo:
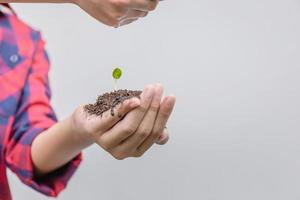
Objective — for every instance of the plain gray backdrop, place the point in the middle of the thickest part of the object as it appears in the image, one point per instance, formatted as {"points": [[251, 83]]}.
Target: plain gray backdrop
{"points": [[234, 67]]}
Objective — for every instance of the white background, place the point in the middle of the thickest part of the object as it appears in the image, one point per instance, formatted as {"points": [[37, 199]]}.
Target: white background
{"points": [[234, 67]]}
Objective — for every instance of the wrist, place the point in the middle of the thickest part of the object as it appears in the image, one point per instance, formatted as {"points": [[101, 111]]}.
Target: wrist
{"points": [[78, 136]]}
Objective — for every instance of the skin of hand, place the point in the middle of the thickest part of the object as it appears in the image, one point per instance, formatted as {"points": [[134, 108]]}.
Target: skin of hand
{"points": [[113, 13], [117, 13], [132, 134], [135, 127]]}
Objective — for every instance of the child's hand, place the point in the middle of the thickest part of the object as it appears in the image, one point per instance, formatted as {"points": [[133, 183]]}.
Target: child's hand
{"points": [[141, 124]]}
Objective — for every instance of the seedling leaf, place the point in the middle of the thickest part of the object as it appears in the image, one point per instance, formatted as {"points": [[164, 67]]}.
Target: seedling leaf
{"points": [[117, 73]]}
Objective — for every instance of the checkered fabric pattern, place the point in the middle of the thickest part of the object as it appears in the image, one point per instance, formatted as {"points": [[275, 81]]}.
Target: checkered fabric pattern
{"points": [[25, 109]]}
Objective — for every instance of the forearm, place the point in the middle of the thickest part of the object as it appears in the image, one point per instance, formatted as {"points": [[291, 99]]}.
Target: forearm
{"points": [[56, 146]]}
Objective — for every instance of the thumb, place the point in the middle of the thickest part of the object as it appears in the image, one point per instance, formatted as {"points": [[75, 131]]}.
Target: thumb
{"points": [[107, 119]]}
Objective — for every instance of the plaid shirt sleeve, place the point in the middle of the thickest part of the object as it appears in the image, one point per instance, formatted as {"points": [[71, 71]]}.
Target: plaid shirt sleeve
{"points": [[33, 116]]}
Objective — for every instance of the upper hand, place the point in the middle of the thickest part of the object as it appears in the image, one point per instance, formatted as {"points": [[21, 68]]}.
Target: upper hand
{"points": [[117, 12]]}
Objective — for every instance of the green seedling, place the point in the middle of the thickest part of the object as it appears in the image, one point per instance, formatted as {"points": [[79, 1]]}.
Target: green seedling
{"points": [[117, 73]]}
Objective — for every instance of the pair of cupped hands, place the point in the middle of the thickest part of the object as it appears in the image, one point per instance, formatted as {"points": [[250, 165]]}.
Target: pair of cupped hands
{"points": [[135, 127], [117, 12], [143, 121]]}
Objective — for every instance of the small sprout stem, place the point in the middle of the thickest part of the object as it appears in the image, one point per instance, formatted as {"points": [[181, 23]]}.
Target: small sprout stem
{"points": [[115, 87]]}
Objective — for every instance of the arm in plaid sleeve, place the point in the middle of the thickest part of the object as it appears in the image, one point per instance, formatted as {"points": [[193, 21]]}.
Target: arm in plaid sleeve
{"points": [[34, 116]]}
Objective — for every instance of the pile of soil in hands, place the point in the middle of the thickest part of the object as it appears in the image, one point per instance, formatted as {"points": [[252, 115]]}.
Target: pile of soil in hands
{"points": [[109, 101]]}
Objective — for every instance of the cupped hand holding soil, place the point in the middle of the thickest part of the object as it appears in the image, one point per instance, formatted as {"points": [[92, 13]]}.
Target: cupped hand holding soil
{"points": [[110, 100], [126, 123]]}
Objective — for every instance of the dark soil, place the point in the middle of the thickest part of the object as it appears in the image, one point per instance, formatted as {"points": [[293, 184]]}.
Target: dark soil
{"points": [[109, 101]]}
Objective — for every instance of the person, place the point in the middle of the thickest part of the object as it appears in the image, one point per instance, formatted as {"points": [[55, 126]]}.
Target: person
{"points": [[43, 152]]}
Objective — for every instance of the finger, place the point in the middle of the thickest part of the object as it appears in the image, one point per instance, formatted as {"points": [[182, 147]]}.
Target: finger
{"points": [[163, 138], [127, 21], [143, 5], [146, 126], [107, 120], [133, 14], [163, 115], [131, 121]]}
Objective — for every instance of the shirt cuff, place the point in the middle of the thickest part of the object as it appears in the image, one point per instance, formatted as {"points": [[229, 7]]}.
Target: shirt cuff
{"points": [[50, 184]]}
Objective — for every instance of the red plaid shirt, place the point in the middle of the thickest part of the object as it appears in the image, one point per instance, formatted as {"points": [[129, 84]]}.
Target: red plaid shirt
{"points": [[25, 109]]}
